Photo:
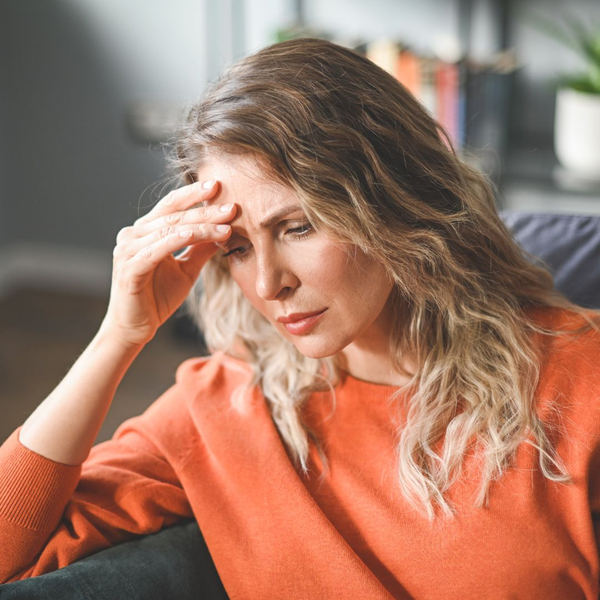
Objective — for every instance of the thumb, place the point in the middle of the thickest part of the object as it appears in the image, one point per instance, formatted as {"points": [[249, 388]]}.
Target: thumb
{"points": [[194, 257]]}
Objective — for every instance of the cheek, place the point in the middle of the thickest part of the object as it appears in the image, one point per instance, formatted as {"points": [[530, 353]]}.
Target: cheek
{"points": [[332, 269], [245, 278], [344, 269], [362, 283], [321, 267]]}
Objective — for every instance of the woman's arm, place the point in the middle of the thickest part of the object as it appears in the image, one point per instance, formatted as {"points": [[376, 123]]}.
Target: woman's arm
{"points": [[148, 285], [40, 464], [65, 425], [52, 515]]}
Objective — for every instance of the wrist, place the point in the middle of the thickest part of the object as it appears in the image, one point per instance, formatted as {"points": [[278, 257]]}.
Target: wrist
{"points": [[111, 338]]}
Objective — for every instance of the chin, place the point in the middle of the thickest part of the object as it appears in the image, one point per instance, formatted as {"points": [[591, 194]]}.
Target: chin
{"points": [[312, 348]]}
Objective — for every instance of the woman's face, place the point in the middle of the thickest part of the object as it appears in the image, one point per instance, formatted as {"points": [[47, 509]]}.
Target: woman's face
{"points": [[320, 294]]}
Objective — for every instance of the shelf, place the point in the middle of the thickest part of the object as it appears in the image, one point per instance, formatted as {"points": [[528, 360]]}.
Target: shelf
{"points": [[533, 181]]}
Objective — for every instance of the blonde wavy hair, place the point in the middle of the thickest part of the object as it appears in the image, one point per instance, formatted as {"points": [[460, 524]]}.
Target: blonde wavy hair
{"points": [[369, 163]]}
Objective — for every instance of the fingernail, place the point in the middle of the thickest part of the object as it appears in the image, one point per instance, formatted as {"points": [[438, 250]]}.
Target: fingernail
{"points": [[226, 207], [208, 184], [222, 228]]}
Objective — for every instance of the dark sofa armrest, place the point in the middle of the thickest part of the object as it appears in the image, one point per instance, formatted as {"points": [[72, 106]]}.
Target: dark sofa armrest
{"points": [[174, 563]]}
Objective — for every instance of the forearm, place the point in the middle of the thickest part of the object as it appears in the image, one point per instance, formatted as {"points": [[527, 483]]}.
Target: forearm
{"points": [[52, 514], [143, 296], [65, 425]]}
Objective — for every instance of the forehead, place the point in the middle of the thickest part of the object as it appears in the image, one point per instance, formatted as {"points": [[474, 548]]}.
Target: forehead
{"points": [[243, 181]]}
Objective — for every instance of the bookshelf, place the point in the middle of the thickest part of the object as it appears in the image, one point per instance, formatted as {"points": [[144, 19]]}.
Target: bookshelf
{"points": [[469, 97], [534, 181], [479, 112]]}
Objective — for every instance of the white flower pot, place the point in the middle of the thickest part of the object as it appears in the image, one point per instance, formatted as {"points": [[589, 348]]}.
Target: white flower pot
{"points": [[577, 132]]}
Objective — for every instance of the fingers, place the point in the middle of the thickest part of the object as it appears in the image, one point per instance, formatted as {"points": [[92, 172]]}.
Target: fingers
{"points": [[182, 220], [176, 238], [181, 199], [136, 268], [155, 253], [171, 218], [168, 228]]}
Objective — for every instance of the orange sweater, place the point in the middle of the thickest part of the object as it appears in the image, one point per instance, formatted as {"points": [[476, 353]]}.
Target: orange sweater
{"points": [[274, 534]]}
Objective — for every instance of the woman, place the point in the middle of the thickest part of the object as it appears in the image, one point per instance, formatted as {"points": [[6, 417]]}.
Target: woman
{"points": [[397, 405]]}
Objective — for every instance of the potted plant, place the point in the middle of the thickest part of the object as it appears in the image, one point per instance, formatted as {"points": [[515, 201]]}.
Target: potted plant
{"points": [[577, 113]]}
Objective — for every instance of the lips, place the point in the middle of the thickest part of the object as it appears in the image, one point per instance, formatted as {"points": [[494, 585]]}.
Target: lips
{"points": [[297, 316], [301, 323]]}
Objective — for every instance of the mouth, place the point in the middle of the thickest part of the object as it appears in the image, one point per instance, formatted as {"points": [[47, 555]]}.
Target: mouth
{"points": [[301, 323]]}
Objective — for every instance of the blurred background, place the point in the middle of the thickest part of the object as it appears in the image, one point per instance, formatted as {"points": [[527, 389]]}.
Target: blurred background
{"points": [[91, 91]]}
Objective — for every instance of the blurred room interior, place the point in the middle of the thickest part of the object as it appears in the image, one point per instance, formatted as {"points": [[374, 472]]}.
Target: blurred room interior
{"points": [[90, 94]]}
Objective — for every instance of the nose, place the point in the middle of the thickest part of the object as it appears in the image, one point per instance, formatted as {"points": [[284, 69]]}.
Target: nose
{"points": [[275, 279]]}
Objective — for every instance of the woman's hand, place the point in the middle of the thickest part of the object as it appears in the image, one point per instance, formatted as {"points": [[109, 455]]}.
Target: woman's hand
{"points": [[148, 282]]}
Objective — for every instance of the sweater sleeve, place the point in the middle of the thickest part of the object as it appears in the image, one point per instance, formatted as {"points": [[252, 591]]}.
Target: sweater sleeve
{"points": [[594, 478], [52, 514]]}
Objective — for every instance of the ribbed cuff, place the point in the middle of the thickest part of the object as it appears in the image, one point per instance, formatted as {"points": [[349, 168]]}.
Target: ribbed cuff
{"points": [[34, 490]]}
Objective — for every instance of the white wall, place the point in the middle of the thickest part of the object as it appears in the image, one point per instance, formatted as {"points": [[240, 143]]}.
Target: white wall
{"points": [[420, 24], [153, 48], [72, 175], [262, 18]]}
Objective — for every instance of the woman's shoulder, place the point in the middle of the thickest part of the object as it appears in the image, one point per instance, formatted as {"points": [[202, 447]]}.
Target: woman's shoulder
{"points": [[574, 332], [555, 317], [218, 370], [570, 328], [574, 345], [569, 384], [203, 383]]}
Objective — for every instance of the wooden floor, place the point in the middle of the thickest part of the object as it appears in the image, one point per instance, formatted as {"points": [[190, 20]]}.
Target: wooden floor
{"points": [[43, 332]]}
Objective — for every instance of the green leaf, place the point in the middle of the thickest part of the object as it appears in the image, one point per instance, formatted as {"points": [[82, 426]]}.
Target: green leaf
{"points": [[551, 29], [583, 39], [581, 83], [587, 40]]}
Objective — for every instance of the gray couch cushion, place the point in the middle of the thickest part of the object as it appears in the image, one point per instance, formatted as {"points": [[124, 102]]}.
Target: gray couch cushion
{"points": [[569, 244]]}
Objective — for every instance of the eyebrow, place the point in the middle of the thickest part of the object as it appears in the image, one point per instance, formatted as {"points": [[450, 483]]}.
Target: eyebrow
{"points": [[271, 220], [268, 222]]}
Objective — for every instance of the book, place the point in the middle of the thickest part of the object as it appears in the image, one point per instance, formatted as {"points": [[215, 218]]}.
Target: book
{"points": [[409, 71], [384, 53]]}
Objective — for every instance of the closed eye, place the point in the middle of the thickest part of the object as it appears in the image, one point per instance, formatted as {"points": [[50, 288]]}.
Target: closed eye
{"points": [[301, 231]]}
